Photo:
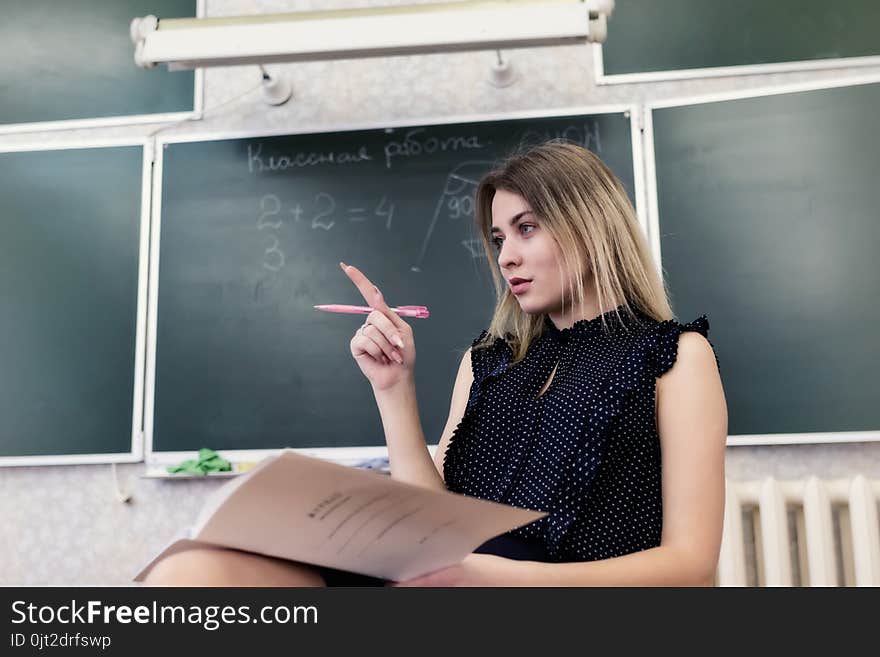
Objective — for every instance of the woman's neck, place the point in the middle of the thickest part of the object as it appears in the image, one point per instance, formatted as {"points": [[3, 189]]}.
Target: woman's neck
{"points": [[588, 310]]}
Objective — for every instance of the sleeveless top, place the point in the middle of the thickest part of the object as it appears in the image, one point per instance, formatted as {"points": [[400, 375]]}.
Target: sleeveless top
{"points": [[587, 451]]}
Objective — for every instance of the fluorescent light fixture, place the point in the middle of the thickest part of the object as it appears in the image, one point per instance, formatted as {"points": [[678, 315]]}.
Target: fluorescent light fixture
{"points": [[187, 43]]}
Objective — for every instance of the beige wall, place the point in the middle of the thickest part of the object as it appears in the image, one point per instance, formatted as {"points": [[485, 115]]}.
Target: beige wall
{"points": [[64, 525]]}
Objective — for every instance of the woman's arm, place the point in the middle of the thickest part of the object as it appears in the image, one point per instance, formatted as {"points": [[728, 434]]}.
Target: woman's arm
{"points": [[385, 351], [692, 423], [409, 458], [408, 454], [460, 394]]}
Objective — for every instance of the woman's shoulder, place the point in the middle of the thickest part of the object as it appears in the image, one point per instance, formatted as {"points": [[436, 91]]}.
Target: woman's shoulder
{"points": [[487, 341], [662, 344], [489, 354]]}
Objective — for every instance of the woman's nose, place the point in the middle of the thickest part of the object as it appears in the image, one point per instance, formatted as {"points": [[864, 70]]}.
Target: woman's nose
{"points": [[509, 255]]}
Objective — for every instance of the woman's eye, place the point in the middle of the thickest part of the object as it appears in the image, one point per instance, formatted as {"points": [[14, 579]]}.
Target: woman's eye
{"points": [[497, 242]]}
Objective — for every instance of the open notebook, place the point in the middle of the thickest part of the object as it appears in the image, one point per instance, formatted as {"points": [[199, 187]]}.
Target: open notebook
{"points": [[305, 509]]}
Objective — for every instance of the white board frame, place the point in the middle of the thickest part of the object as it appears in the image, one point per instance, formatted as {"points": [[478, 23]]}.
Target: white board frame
{"points": [[346, 455], [115, 121], [654, 231], [723, 71], [136, 452]]}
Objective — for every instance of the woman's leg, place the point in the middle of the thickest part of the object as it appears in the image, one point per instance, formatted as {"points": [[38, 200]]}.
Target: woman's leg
{"points": [[219, 567]]}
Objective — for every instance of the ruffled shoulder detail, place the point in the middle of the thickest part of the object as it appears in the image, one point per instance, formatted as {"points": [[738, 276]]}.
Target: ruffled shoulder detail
{"points": [[663, 350], [489, 360], [486, 362]]}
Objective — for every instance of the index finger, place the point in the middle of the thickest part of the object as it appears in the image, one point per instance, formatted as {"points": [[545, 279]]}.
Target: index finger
{"points": [[369, 292]]}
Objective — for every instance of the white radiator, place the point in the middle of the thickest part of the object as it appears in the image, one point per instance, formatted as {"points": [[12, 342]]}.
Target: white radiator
{"points": [[810, 532]]}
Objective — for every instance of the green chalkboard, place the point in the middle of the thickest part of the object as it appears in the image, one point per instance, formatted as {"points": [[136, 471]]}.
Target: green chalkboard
{"points": [[769, 223], [646, 36], [74, 60], [252, 231], [69, 245]]}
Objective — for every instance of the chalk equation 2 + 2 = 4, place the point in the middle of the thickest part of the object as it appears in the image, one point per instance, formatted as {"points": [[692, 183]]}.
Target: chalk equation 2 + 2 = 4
{"points": [[321, 214]]}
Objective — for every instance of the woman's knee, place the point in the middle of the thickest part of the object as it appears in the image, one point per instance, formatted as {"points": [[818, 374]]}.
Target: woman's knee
{"points": [[220, 567], [196, 567]]}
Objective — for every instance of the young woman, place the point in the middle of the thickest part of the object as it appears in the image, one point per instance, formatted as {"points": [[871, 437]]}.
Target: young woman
{"points": [[583, 398]]}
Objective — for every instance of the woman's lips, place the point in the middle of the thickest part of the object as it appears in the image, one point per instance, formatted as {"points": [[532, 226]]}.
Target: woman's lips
{"points": [[520, 287]]}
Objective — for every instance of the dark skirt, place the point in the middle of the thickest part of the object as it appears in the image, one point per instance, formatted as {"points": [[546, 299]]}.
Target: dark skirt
{"points": [[505, 545]]}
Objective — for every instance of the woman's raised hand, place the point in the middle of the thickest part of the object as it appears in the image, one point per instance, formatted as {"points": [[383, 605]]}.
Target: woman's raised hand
{"points": [[383, 347]]}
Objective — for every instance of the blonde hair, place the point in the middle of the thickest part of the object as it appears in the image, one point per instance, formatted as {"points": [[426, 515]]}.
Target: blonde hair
{"points": [[585, 209]]}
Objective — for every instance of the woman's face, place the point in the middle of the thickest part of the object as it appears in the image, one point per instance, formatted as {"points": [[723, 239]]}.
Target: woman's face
{"points": [[526, 251]]}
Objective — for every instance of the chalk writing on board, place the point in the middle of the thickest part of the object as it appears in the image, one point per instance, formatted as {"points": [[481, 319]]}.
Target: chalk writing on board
{"points": [[460, 206], [415, 144], [385, 209], [326, 205], [456, 201], [474, 247], [270, 206], [273, 257], [323, 215], [258, 163], [586, 135], [297, 212]]}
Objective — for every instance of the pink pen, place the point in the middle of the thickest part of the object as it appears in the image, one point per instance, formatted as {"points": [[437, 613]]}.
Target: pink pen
{"points": [[421, 312]]}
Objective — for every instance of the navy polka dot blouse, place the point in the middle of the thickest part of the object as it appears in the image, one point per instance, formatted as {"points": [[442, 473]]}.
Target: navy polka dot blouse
{"points": [[586, 450]]}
